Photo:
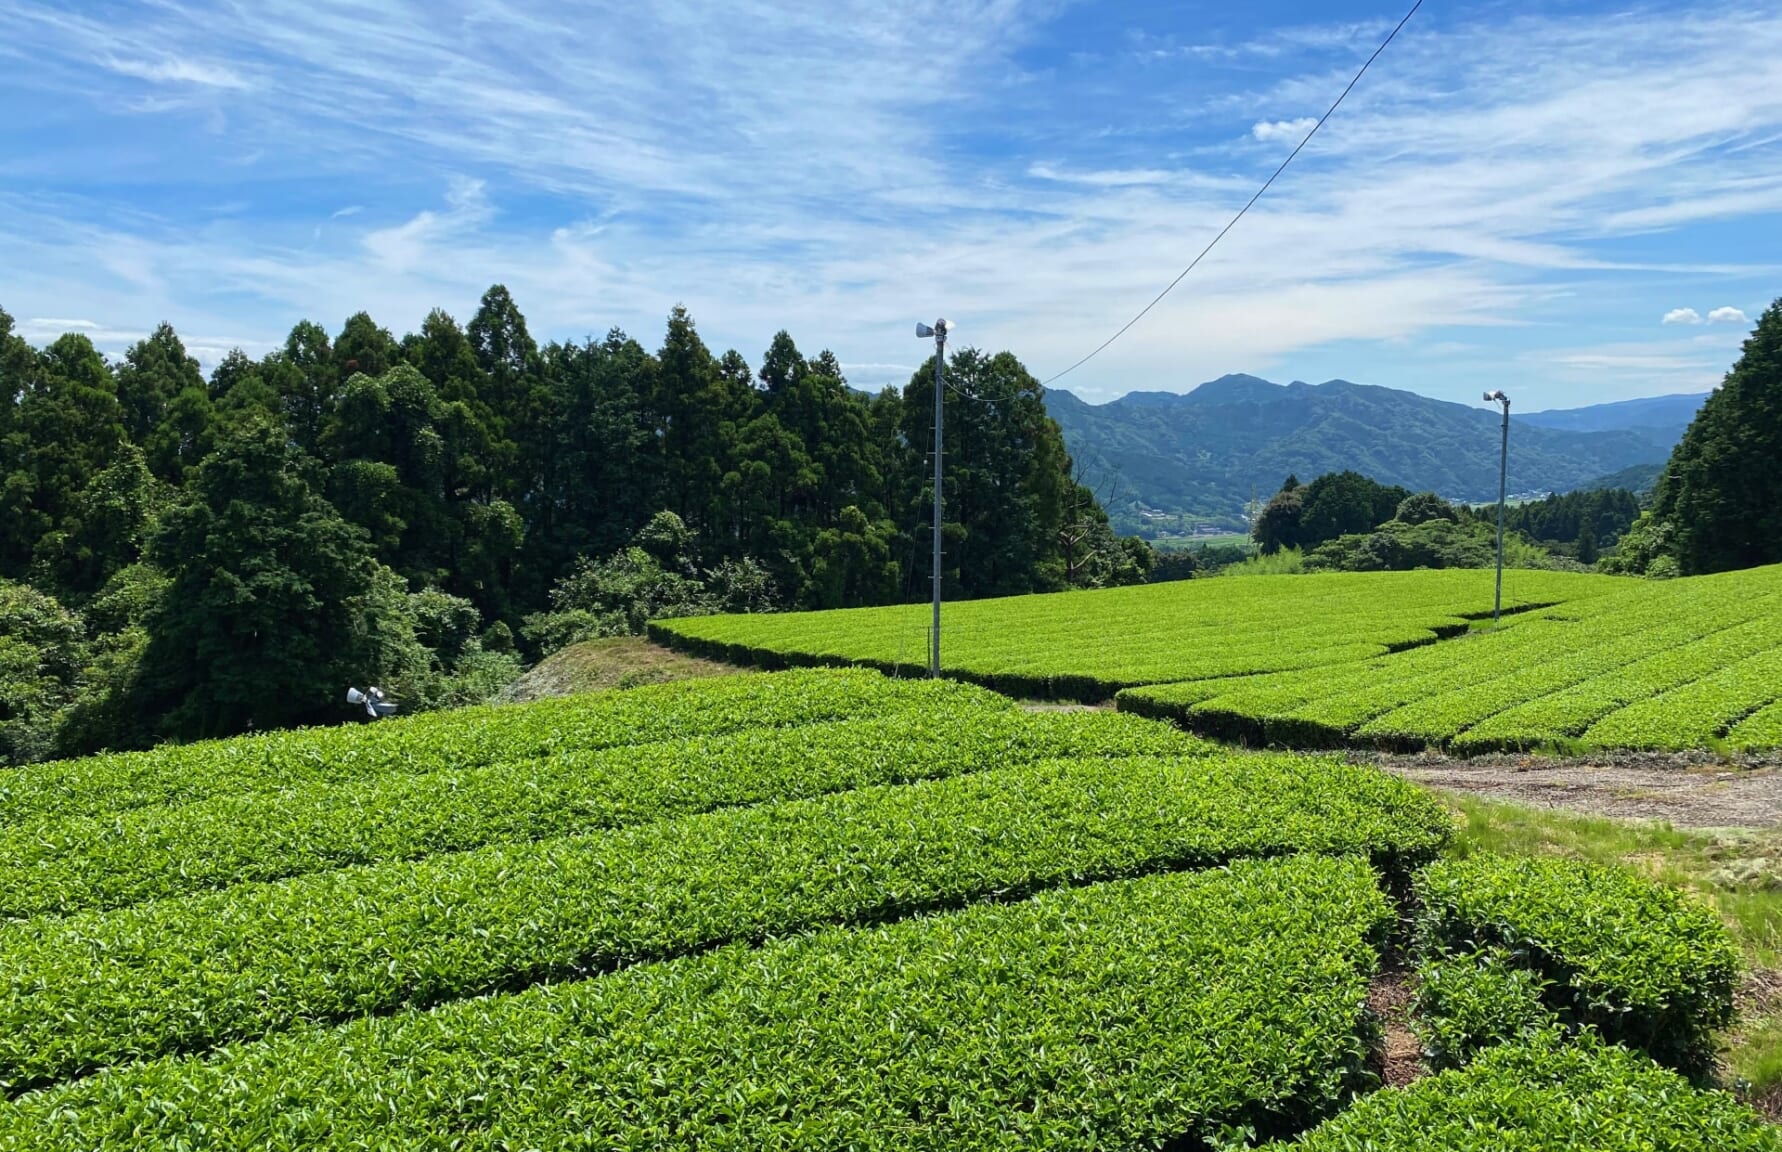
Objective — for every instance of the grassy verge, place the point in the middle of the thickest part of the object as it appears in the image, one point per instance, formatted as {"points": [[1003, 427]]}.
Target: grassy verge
{"points": [[1738, 871], [603, 665]]}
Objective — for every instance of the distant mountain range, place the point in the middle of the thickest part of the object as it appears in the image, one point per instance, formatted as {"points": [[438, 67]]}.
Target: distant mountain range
{"points": [[1165, 461], [1660, 419]]}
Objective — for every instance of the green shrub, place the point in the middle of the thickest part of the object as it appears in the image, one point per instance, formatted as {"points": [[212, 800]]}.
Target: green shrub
{"points": [[1088, 645], [1684, 665], [1643, 964], [1552, 1096], [1285, 562], [1114, 1016], [42, 650], [183, 975], [468, 738], [1466, 1004], [63, 866]]}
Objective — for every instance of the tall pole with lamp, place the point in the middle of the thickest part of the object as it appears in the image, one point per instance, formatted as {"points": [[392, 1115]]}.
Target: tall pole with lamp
{"points": [[939, 332], [1503, 476]]}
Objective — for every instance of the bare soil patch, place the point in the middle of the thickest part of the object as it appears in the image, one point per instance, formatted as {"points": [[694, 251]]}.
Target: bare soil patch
{"points": [[1690, 790], [1401, 1056]]}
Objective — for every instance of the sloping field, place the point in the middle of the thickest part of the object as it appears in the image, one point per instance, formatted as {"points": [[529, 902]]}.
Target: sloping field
{"points": [[810, 909], [1657, 666], [1087, 645]]}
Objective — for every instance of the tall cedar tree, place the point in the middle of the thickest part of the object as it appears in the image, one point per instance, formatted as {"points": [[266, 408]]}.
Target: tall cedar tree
{"points": [[1005, 476], [67, 428], [276, 603], [698, 409], [166, 408], [389, 471], [306, 380], [1721, 492], [17, 362], [363, 348]]}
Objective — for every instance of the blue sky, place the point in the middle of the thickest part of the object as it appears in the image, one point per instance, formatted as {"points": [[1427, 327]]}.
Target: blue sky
{"points": [[1518, 195]]}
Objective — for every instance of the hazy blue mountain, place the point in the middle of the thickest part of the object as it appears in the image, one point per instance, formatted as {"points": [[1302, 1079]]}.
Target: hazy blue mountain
{"points": [[1639, 479], [1202, 454], [1661, 419]]}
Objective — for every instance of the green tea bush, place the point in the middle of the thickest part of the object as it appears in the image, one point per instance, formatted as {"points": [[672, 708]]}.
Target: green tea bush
{"points": [[1551, 1095], [1465, 1004], [1121, 1015], [182, 774], [1643, 964], [1090, 644], [182, 975], [63, 866], [1687, 664]]}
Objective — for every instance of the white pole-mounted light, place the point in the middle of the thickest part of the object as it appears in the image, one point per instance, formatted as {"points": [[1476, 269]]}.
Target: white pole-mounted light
{"points": [[372, 699], [1503, 474], [939, 333]]}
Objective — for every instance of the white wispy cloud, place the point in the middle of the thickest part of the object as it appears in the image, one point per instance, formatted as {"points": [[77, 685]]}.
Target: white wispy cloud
{"points": [[177, 70], [1728, 315], [57, 324], [1682, 316], [808, 166], [1293, 130], [1108, 178], [413, 243]]}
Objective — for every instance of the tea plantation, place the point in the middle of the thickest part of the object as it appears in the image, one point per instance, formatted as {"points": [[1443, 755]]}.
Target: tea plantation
{"points": [[1660, 666], [1088, 645], [814, 909], [1403, 660]]}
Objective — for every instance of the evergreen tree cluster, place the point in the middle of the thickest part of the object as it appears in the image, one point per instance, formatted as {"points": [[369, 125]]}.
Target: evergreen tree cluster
{"points": [[1584, 524], [1718, 503], [1347, 522], [1333, 505], [366, 508]]}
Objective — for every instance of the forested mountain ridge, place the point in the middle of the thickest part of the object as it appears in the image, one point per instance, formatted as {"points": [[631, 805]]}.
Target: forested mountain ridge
{"points": [[1660, 418], [1206, 452]]}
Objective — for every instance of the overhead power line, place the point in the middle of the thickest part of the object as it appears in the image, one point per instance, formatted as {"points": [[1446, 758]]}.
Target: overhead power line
{"points": [[1390, 36]]}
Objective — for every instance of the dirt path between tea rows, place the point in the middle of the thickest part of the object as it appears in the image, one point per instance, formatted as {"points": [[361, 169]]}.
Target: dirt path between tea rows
{"points": [[1688, 789], [1691, 790]]}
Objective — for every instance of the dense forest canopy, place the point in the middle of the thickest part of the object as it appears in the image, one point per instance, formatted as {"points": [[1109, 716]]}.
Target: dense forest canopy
{"points": [[236, 548], [1347, 522], [1718, 504]]}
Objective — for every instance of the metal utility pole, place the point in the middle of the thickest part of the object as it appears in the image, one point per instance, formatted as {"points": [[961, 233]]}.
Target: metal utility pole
{"points": [[939, 332], [1503, 475]]}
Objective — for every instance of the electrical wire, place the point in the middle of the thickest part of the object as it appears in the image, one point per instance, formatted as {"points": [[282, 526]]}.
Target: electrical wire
{"points": [[1250, 203], [964, 395]]}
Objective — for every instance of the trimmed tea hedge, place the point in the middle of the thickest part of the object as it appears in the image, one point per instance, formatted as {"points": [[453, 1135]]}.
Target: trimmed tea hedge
{"points": [[1643, 964], [472, 737], [1762, 729], [1678, 665], [87, 991], [1466, 1004], [154, 853], [1090, 644], [1551, 1096], [1113, 1016]]}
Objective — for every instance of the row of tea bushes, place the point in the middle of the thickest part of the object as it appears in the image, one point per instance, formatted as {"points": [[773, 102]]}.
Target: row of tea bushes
{"points": [[1121, 1015], [1088, 645], [1547, 1094], [87, 991], [72, 864], [1673, 666], [112, 784]]}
